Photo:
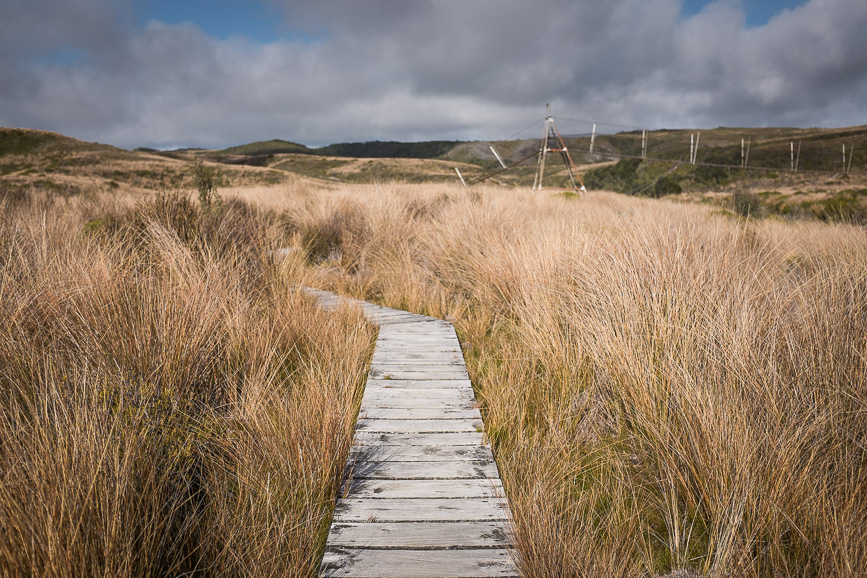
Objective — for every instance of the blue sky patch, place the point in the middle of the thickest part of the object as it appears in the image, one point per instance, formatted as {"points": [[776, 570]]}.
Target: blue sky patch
{"points": [[759, 12], [64, 56], [218, 18]]}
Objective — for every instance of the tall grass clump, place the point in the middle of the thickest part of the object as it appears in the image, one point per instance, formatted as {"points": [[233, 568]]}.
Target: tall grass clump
{"points": [[169, 404], [668, 391]]}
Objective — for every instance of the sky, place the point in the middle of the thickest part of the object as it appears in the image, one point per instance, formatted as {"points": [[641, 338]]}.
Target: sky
{"points": [[215, 73]]}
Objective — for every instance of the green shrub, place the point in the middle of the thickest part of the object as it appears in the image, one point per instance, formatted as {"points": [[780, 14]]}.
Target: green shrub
{"points": [[667, 186], [746, 203], [205, 179]]}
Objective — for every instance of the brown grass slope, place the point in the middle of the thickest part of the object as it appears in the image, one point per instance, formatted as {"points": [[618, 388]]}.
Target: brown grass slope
{"points": [[60, 165]]}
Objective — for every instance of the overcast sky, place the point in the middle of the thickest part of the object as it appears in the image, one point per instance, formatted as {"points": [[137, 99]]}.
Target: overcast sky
{"points": [[212, 73]]}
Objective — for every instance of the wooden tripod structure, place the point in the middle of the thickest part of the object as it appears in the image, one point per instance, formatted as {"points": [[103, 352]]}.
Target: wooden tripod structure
{"points": [[552, 142]]}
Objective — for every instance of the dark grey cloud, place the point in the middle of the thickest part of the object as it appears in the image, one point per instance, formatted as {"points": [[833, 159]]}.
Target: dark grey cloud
{"points": [[426, 69]]}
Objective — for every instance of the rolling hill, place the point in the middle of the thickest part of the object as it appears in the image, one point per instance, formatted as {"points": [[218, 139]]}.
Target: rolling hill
{"points": [[62, 164]]}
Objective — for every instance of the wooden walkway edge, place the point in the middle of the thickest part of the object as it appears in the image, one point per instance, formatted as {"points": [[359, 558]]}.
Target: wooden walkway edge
{"points": [[425, 497]]}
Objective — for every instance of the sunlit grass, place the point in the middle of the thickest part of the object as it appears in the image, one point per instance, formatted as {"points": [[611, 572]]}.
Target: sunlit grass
{"points": [[666, 388], [170, 404]]}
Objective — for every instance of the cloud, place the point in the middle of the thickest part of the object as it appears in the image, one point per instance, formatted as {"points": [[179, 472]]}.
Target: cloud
{"points": [[427, 69]]}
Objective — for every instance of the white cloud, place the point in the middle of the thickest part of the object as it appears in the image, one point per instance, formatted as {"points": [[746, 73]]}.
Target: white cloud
{"points": [[388, 69]]}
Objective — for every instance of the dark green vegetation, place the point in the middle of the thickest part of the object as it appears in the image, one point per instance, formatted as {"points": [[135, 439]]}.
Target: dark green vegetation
{"points": [[361, 150], [848, 206], [389, 149], [268, 147]]}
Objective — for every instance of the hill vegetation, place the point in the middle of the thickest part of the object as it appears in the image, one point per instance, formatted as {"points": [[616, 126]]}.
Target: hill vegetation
{"points": [[65, 166], [269, 147], [49, 162], [666, 170]]}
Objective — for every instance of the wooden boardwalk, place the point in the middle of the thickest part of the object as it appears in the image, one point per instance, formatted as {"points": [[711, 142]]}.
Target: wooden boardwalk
{"points": [[425, 497]]}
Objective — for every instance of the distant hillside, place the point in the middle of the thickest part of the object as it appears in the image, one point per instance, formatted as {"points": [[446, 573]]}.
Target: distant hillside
{"points": [[817, 152], [389, 149], [56, 162], [19, 141], [35, 160], [268, 147], [357, 150], [614, 164]]}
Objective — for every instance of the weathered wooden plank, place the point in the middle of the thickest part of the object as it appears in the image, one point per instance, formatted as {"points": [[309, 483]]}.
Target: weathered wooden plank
{"points": [[420, 383], [395, 362], [418, 563], [421, 535], [420, 330], [377, 396], [428, 325], [404, 350], [397, 344], [423, 327], [420, 413], [433, 470], [440, 374], [444, 404], [433, 453], [363, 438], [432, 344], [385, 317], [413, 353], [419, 425], [420, 510], [449, 360], [468, 488]]}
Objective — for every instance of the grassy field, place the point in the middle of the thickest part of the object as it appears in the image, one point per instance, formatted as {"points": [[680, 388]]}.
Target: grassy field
{"points": [[668, 385], [666, 388], [169, 405]]}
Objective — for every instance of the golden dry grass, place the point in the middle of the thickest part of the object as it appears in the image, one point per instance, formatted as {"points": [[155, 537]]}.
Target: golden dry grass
{"points": [[666, 389], [170, 405]]}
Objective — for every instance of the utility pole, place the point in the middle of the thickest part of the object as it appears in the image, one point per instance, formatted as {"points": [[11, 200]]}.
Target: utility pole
{"points": [[543, 152], [695, 152], [747, 158], [792, 156], [493, 150], [592, 138], [460, 176], [798, 157], [643, 144], [552, 137]]}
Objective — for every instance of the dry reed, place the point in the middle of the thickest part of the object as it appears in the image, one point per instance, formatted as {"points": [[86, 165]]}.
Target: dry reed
{"points": [[170, 405], [668, 390]]}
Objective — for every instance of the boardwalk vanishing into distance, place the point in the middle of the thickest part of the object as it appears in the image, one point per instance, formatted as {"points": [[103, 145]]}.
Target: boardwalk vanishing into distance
{"points": [[425, 497]]}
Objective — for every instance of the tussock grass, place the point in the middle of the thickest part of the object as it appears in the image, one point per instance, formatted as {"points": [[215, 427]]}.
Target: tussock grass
{"points": [[170, 405], [667, 390]]}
